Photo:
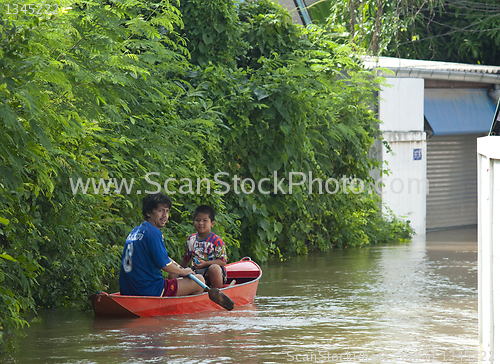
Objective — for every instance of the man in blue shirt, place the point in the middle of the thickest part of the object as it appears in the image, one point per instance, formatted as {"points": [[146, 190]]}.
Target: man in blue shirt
{"points": [[144, 256]]}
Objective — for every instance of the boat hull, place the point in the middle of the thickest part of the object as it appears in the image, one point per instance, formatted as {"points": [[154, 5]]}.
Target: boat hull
{"points": [[246, 273]]}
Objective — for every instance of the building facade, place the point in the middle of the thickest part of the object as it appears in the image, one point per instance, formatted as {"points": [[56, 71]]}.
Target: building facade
{"points": [[432, 114]]}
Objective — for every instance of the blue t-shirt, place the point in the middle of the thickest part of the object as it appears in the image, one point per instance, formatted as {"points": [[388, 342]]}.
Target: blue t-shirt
{"points": [[143, 257]]}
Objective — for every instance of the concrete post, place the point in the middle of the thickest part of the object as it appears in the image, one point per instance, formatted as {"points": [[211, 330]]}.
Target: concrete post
{"points": [[488, 154]]}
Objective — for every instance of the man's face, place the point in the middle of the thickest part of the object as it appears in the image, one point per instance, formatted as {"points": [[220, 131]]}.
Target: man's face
{"points": [[159, 216]]}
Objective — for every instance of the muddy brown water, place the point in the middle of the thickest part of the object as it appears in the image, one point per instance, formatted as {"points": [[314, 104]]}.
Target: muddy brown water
{"points": [[403, 303]]}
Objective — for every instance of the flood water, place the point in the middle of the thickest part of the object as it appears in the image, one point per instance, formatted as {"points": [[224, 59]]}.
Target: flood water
{"points": [[406, 303]]}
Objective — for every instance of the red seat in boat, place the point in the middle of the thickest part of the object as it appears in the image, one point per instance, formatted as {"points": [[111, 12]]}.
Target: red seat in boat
{"points": [[244, 268]]}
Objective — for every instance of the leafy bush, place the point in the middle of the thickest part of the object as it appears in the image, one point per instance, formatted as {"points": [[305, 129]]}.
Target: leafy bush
{"points": [[89, 93], [296, 102]]}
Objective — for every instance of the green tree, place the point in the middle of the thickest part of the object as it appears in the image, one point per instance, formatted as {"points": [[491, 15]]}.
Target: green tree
{"points": [[298, 102], [462, 31], [452, 31], [89, 92], [212, 28]]}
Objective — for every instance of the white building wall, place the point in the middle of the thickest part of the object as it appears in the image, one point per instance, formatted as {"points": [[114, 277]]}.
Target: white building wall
{"points": [[401, 111], [488, 152]]}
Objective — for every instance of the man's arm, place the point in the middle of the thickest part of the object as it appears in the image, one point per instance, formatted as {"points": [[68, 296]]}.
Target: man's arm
{"points": [[175, 268]]}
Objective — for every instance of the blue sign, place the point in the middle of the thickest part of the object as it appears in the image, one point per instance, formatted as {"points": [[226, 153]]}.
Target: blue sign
{"points": [[417, 154]]}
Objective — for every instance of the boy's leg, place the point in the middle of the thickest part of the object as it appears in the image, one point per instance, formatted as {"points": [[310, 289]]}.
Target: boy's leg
{"points": [[215, 276], [186, 286]]}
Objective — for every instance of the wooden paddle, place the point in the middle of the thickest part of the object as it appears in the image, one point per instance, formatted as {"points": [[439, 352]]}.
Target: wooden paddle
{"points": [[215, 294]]}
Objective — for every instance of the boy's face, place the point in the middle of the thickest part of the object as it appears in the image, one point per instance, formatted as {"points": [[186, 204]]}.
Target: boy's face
{"points": [[203, 224]]}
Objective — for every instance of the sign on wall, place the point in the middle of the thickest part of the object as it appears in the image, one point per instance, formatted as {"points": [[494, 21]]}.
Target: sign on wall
{"points": [[417, 154]]}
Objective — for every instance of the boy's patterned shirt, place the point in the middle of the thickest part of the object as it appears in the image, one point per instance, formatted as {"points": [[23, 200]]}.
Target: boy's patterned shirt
{"points": [[211, 248]]}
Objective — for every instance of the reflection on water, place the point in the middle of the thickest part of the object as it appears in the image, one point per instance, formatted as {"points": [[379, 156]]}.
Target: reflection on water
{"points": [[408, 303]]}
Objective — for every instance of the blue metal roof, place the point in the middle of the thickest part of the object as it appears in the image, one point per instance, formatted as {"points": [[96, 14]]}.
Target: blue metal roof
{"points": [[458, 111]]}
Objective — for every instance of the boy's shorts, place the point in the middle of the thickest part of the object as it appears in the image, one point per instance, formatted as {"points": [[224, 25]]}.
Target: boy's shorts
{"points": [[204, 273], [170, 288]]}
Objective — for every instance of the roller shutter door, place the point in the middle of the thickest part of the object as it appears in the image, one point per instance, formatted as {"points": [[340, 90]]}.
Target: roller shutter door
{"points": [[452, 176]]}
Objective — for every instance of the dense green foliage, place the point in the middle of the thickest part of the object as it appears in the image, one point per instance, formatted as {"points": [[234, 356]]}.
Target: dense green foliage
{"points": [[454, 31], [90, 93], [117, 91], [441, 30], [298, 102]]}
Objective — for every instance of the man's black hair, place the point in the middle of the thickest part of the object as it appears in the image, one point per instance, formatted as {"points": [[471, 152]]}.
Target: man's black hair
{"points": [[151, 201], [204, 209]]}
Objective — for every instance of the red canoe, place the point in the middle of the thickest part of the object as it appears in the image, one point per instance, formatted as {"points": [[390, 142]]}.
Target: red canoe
{"points": [[246, 274]]}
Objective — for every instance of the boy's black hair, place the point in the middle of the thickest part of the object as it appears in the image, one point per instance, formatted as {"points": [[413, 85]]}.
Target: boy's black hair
{"points": [[204, 209], [151, 201]]}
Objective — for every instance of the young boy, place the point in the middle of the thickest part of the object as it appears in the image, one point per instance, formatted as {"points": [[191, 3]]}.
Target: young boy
{"points": [[205, 249]]}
